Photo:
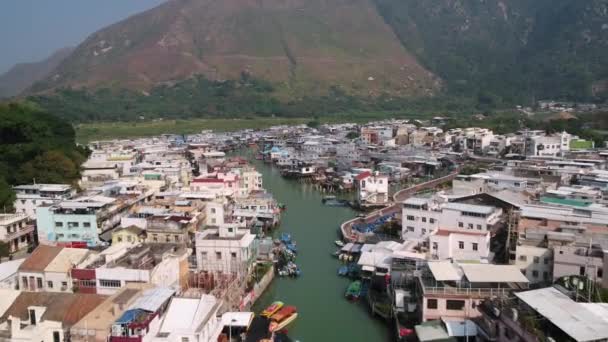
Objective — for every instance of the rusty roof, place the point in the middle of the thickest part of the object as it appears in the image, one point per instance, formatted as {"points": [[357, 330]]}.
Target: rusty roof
{"points": [[40, 258], [68, 308]]}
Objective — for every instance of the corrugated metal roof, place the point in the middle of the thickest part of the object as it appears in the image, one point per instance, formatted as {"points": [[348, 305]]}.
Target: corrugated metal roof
{"points": [[152, 299], [486, 273], [575, 319], [444, 271]]}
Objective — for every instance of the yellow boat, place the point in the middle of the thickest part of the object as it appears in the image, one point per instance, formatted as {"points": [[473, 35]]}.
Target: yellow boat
{"points": [[272, 309]]}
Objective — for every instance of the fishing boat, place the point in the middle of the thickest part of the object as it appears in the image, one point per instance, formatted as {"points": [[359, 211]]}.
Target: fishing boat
{"points": [[354, 290], [327, 198], [272, 309], [339, 243], [285, 238], [292, 247], [343, 271], [282, 318]]}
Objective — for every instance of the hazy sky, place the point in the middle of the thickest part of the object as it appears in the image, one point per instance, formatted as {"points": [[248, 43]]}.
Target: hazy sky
{"points": [[31, 30]]}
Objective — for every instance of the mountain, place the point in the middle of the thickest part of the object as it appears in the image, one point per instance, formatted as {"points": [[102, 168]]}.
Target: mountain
{"points": [[300, 57], [516, 50], [305, 46], [23, 75]]}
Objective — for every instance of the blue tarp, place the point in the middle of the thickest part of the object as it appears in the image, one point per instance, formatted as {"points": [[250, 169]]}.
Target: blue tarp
{"points": [[129, 316]]}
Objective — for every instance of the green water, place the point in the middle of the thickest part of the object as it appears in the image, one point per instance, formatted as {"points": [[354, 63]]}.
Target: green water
{"points": [[323, 312]]}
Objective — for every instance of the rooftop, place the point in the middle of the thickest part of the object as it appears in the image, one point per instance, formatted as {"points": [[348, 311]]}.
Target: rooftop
{"points": [[581, 321], [42, 256], [472, 208], [487, 273]]}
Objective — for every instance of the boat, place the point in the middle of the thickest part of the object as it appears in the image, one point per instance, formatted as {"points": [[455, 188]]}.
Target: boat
{"points": [[354, 290], [282, 318], [339, 243], [337, 253], [343, 271], [285, 238], [282, 207], [272, 309], [327, 198], [291, 247]]}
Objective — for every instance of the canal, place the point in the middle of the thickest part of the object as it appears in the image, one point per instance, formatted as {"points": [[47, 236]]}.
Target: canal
{"points": [[324, 313]]}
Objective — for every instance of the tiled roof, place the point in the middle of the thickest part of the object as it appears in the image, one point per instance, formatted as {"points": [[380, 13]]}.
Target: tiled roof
{"points": [[40, 258], [68, 308], [363, 175]]}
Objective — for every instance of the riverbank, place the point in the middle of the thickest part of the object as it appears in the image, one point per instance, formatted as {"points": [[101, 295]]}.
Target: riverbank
{"points": [[324, 313]]}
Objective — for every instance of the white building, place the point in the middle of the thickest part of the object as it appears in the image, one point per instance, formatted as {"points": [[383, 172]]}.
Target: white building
{"points": [[536, 263], [539, 144], [225, 249], [201, 321], [372, 188], [31, 196], [16, 230]]}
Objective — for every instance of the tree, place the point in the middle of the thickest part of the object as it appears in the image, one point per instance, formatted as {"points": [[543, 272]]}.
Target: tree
{"points": [[7, 196], [50, 167], [352, 135]]}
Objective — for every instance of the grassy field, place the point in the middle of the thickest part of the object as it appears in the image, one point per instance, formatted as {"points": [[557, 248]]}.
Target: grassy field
{"points": [[111, 130]]}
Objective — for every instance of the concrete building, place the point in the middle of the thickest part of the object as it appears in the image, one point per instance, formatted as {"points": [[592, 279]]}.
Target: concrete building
{"points": [[44, 316], [204, 320], [164, 265], [17, 231], [536, 263], [225, 250], [581, 261], [455, 290], [48, 269], [372, 188], [31, 196]]}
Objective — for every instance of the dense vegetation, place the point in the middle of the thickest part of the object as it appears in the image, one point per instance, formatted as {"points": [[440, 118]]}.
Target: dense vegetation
{"points": [[35, 147], [200, 97], [502, 53]]}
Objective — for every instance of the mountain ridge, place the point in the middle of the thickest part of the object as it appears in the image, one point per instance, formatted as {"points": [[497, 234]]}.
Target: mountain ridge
{"points": [[23, 75]]}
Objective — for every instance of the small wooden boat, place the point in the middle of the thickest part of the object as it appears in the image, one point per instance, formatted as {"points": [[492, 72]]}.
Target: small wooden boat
{"points": [[354, 290], [282, 318], [285, 238], [339, 243], [272, 309]]}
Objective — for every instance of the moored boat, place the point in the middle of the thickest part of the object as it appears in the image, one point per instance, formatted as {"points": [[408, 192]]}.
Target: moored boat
{"points": [[354, 290], [272, 309], [282, 318], [285, 238], [339, 243]]}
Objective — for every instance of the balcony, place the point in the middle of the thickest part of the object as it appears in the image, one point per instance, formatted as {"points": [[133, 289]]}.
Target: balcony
{"points": [[430, 288], [20, 232]]}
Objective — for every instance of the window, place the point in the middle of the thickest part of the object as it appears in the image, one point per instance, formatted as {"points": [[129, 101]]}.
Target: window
{"points": [[600, 272], [32, 317], [423, 231], [119, 239], [176, 237], [410, 218], [58, 224], [39, 282], [523, 258], [230, 230], [470, 226], [213, 220], [431, 220], [73, 225], [536, 260], [56, 336], [546, 261], [545, 275], [431, 303], [86, 224], [581, 271], [24, 281], [410, 229], [478, 227], [233, 255], [64, 285], [434, 245], [213, 210], [49, 284], [424, 219], [474, 246], [218, 255], [460, 224], [204, 255], [454, 304], [535, 274], [108, 283], [461, 244]]}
